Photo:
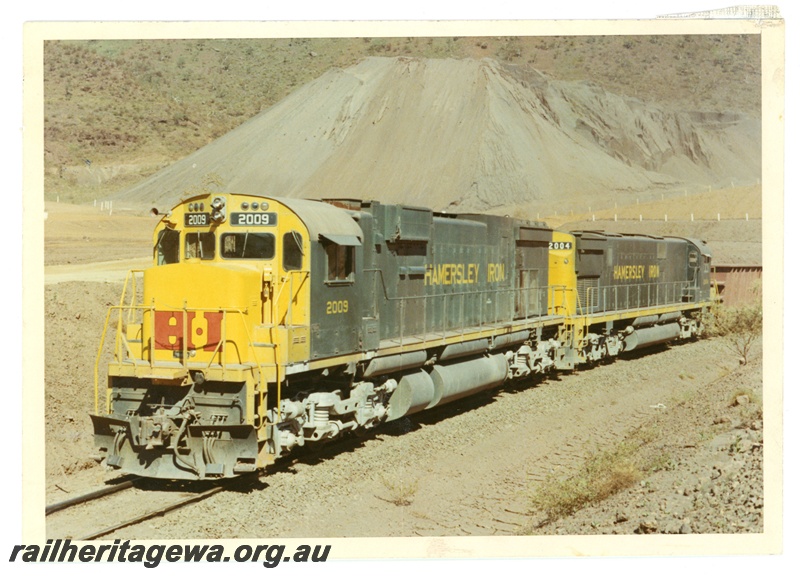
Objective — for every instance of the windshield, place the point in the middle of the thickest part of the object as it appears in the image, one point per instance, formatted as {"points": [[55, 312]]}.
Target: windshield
{"points": [[200, 245], [248, 246]]}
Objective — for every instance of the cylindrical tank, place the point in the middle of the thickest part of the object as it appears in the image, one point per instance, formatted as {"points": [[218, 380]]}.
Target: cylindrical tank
{"points": [[414, 393], [508, 339], [645, 321], [459, 380], [673, 316], [651, 336], [455, 350]]}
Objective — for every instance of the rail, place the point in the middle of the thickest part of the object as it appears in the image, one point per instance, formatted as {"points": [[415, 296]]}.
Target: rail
{"points": [[119, 486]]}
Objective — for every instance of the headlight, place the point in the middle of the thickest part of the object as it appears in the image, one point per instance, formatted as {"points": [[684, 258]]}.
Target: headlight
{"points": [[218, 209]]}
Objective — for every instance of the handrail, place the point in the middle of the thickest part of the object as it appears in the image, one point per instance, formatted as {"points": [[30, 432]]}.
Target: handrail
{"points": [[97, 363], [604, 305], [527, 303], [261, 378], [122, 352], [123, 355]]}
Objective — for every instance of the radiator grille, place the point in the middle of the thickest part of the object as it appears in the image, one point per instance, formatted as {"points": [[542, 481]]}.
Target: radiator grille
{"points": [[587, 294]]}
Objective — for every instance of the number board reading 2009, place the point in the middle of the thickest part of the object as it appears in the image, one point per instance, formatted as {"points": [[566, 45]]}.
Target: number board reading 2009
{"points": [[197, 219], [254, 219]]}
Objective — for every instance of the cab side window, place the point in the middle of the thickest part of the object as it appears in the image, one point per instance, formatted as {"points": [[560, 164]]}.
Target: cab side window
{"points": [[341, 262], [292, 251], [168, 247]]}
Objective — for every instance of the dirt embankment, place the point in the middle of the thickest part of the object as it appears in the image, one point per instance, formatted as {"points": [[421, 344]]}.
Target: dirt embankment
{"points": [[75, 313]]}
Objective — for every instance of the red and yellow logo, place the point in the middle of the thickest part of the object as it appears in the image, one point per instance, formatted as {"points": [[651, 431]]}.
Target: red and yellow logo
{"points": [[203, 330]]}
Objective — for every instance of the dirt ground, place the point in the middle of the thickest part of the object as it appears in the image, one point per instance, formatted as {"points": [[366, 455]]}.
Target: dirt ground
{"points": [[81, 234], [468, 469], [472, 468]]}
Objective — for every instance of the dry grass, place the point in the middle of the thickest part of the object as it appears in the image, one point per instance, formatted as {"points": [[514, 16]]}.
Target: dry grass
{"points": [[401, 491], [602, 475]]}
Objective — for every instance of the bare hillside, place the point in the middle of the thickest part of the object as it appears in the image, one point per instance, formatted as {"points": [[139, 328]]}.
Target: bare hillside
{"points": [[474, 134], [117, 111]]}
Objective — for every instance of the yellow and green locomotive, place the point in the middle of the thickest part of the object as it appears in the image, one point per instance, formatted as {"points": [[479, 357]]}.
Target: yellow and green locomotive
{"points": [[265, 323]]}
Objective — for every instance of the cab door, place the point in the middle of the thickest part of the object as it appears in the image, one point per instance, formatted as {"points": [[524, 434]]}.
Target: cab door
{"points": [[291, 310], [336, 308], [692, 275]]}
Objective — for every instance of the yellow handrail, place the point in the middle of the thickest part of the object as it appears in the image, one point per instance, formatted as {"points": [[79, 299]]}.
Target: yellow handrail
{"points": [[121, 355], [97, 363]]}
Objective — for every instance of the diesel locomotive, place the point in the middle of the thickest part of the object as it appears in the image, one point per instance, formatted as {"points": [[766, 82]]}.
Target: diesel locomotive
{"points": [[265, 323]]}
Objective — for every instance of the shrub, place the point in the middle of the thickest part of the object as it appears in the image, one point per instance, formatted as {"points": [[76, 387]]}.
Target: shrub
{"points": [[740, 327]]}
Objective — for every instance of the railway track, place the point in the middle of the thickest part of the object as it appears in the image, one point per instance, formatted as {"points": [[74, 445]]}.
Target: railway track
{"points": [[154, 513], [124, 484], [76, 517], [129, 502]]}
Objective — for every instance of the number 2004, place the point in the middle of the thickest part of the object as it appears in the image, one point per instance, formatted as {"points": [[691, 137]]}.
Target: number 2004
{"points": [[333, 307]]}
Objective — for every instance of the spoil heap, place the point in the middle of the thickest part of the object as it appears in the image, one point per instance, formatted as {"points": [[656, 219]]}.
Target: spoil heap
{"points": [[472, 134]]}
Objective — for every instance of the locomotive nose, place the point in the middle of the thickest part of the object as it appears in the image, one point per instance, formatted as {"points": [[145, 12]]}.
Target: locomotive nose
{"points": [[220, 306]]}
